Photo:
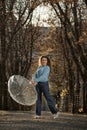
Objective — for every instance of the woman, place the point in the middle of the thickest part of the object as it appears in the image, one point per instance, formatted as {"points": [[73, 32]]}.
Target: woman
{"points": [[40, 80]]}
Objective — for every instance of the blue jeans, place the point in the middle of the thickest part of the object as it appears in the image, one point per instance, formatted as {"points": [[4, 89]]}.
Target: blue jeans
{"points": [[43, 87]]}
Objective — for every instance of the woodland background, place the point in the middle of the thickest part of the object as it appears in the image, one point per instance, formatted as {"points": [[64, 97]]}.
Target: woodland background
{"points": [[21, 44]]}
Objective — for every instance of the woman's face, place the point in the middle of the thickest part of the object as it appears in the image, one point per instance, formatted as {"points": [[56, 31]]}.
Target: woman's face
{"points": [[44, 61]]}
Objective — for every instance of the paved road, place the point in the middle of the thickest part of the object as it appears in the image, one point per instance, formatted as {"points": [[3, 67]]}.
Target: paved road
{"points": [[19, 120]]}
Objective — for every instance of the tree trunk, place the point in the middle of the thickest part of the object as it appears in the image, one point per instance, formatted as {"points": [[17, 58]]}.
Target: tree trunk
{"points": [[3, 79]]}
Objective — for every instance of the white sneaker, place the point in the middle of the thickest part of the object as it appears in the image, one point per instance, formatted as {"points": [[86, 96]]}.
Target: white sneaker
{"points": [[56, 115], [37, 117]]}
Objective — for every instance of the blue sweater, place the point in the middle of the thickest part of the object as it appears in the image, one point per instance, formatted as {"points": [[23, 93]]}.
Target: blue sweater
{"points": [[41, 74]]}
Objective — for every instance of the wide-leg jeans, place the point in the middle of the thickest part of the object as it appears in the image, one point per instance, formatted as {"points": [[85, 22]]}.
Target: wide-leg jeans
{"points": [[43, 87]]}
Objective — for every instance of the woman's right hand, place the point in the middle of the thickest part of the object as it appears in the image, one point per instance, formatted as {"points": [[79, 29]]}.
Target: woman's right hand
{"points": [[32, 82]]}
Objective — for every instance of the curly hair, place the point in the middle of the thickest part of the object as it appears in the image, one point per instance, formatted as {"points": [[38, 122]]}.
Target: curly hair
{"points": [[48, 61]]}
